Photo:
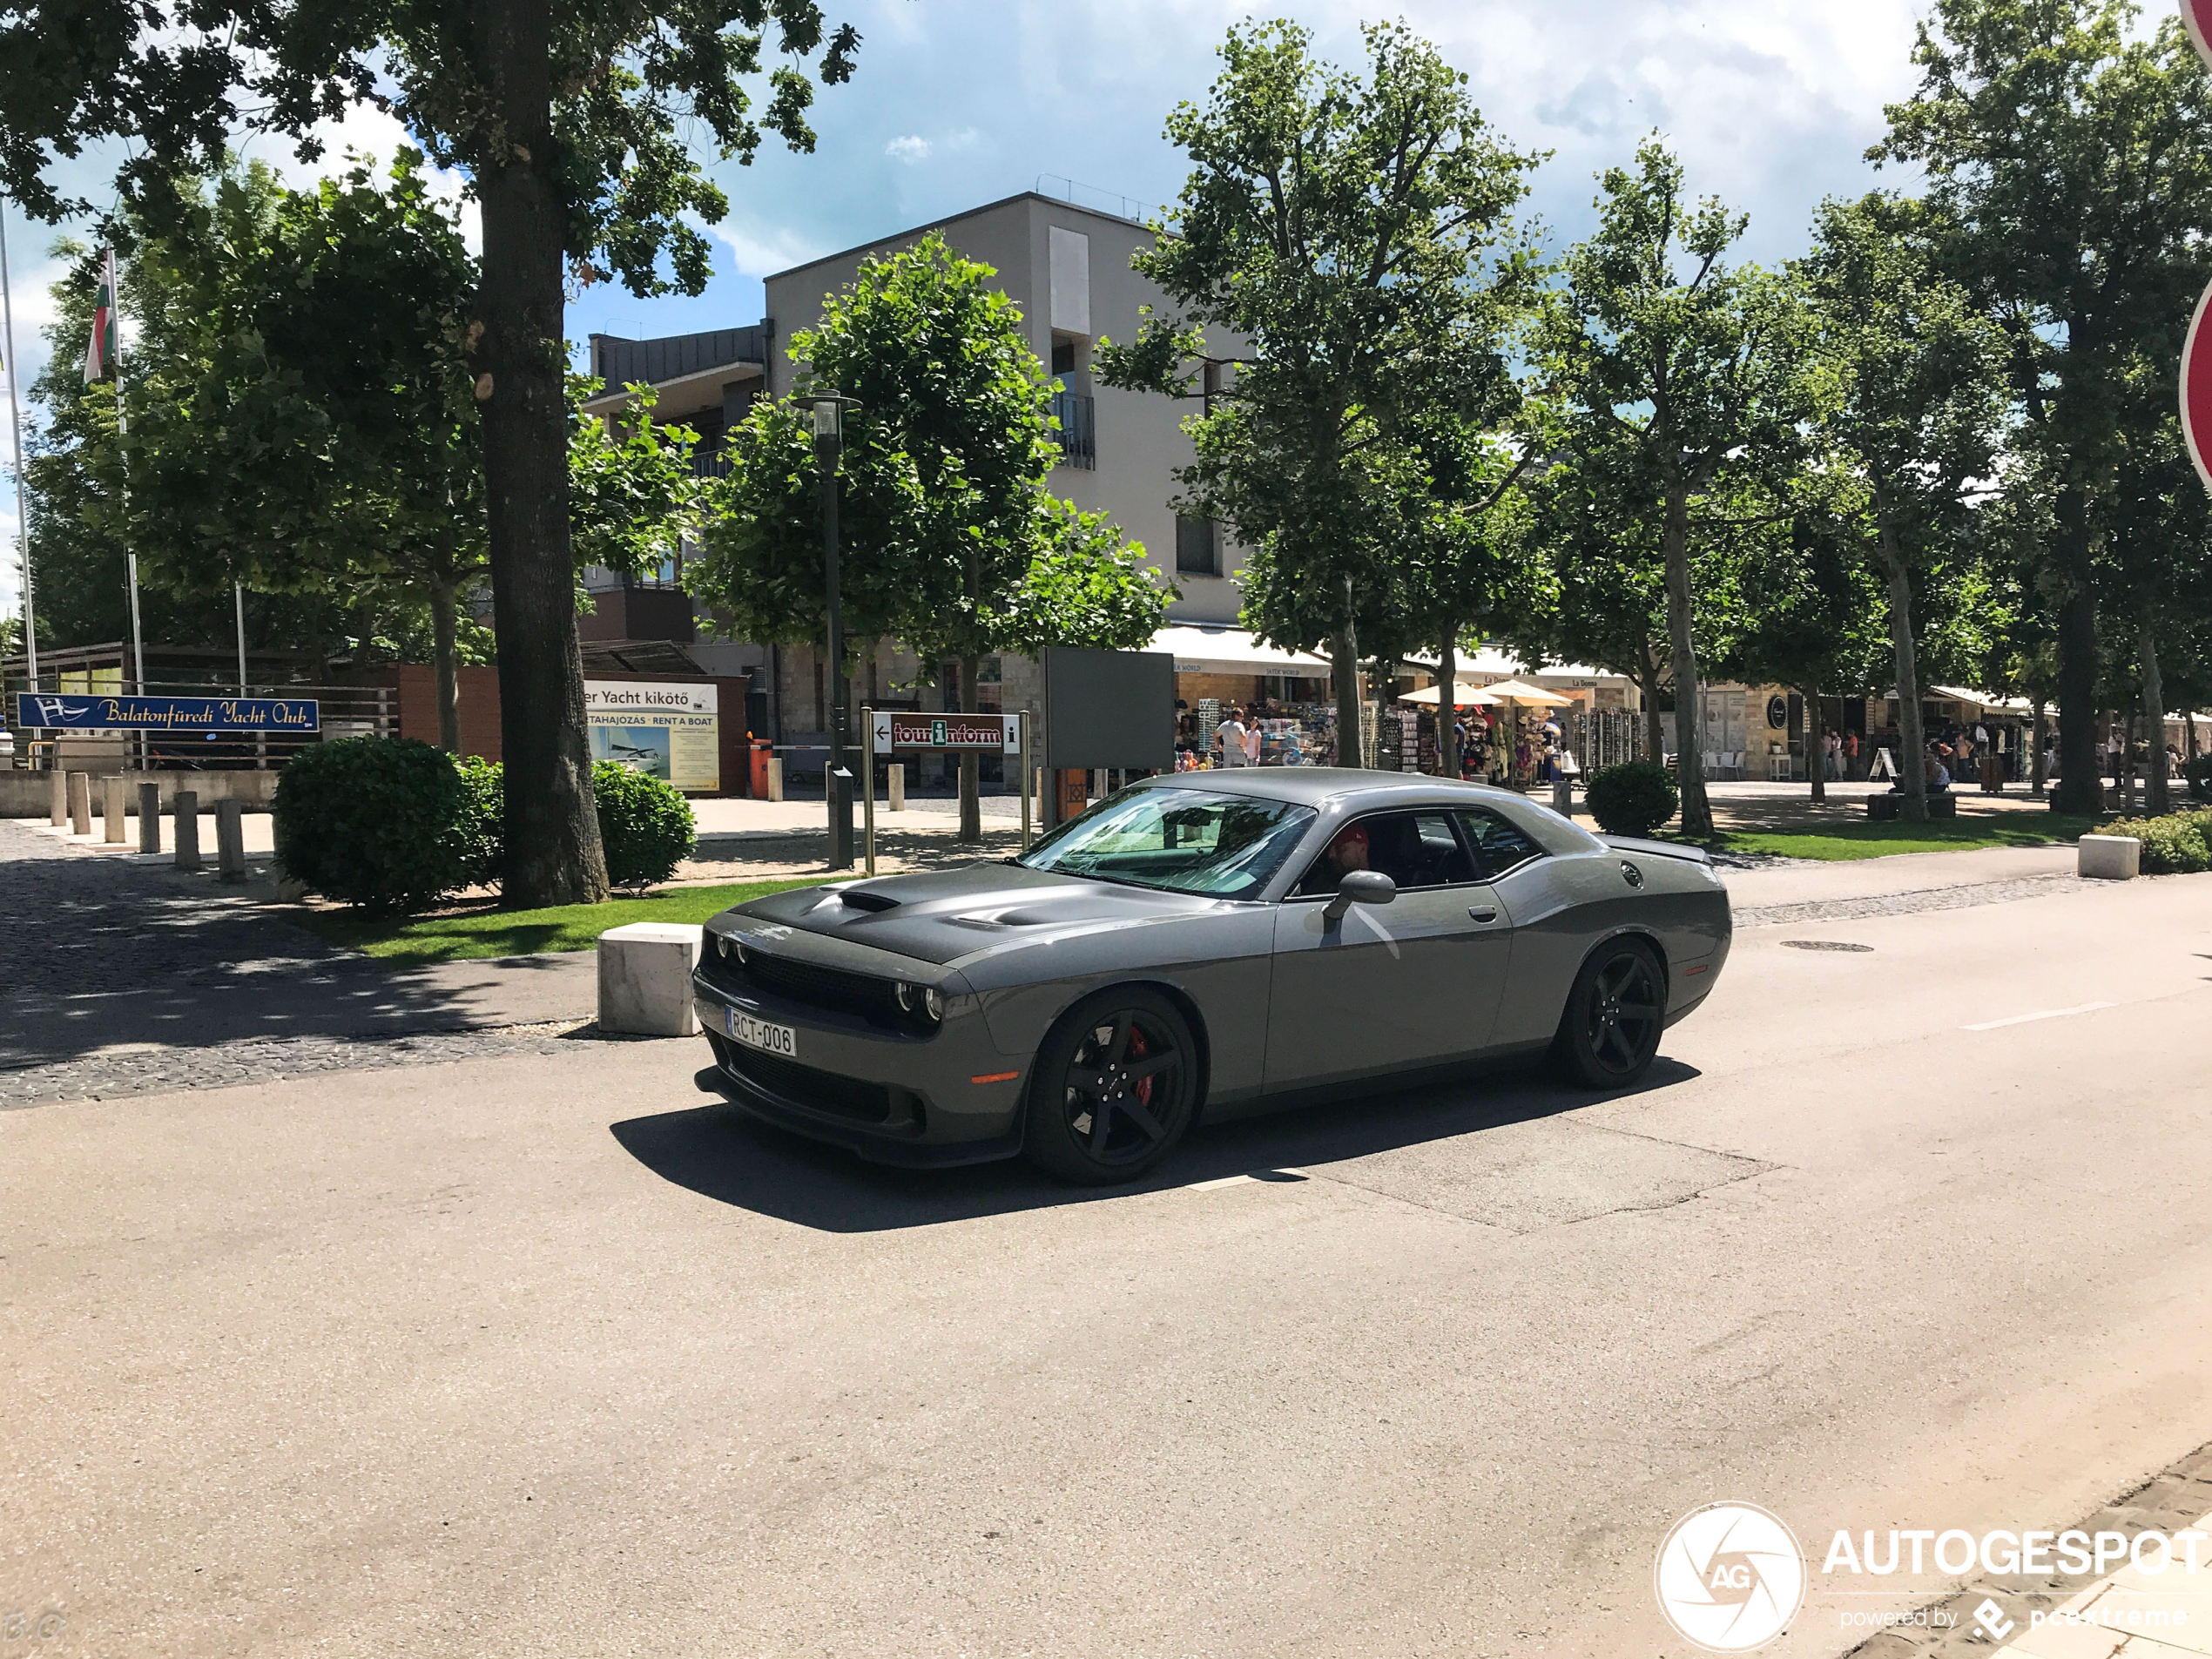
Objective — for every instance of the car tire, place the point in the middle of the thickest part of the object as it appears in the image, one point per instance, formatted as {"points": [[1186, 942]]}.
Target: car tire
{"points": [[1608, 1035], [1114, 1088]]}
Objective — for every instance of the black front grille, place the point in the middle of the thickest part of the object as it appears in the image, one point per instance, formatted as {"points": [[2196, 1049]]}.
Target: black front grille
{"points": [[863, 1102], [808, 983]]}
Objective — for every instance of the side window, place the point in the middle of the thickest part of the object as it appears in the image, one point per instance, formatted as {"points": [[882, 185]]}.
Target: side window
{"points": [[1414, 849], [1496, 844]]}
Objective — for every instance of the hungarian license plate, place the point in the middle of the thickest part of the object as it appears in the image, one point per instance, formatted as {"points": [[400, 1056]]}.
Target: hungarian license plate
{"points": [[759, 1034]]}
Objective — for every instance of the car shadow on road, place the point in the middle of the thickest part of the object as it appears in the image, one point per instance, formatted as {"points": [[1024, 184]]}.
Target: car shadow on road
{"points": [[713, 1150]]}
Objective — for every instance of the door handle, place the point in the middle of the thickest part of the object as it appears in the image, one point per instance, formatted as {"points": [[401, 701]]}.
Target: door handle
{"points": [[1482, 912]]}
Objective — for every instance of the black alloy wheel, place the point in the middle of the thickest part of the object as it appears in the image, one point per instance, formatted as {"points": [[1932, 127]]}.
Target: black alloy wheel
{"points": [[1114, 1087], [1609, 1034]]}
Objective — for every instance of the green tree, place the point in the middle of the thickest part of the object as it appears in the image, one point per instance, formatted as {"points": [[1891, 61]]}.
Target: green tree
{"points": [[1596, 530], [573, 124], [1356, 234], [947, 537], [301, 417], [1654, 339], [2066, 161], [1908, 378]]}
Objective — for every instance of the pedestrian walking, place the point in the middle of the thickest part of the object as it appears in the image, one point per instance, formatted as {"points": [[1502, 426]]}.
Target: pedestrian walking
{"points": [[1228, 738]]}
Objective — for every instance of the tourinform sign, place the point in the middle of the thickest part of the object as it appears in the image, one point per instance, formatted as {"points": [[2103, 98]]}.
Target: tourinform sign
{"points": [[73, 711], [2196, 351], [992, 733]]}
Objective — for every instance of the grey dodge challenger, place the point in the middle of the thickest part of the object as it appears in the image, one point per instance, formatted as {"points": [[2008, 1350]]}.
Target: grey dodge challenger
{"points": [[1221, 941]]}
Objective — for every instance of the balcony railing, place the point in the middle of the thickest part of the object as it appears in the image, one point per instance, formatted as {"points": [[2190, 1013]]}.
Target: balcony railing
{"points": [[1078, 434]]}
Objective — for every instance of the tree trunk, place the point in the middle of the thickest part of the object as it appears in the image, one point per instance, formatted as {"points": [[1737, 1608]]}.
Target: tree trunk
{"points": [[2039, 738], [553, 855], [971, 776], [1816, 744], [1346, 647], [1448, 708], [1689, 713], [2156, 800], [1912, 759], [2081, 785], [1655, 734], [448, 655]]}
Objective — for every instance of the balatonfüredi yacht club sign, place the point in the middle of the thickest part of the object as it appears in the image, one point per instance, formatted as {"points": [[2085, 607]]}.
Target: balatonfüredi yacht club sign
{"points": [[116, 711]]}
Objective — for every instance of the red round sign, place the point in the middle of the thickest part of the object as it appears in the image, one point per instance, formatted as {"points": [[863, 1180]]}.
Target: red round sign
{"points": [[2197, 15], [2197, 389]]}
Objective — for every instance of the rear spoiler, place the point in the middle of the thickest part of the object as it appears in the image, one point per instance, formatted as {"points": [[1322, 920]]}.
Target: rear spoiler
{"points": [[1682, 850]]}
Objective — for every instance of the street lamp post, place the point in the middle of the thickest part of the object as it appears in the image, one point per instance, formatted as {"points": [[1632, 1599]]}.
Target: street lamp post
{"points": [[829, 439]]}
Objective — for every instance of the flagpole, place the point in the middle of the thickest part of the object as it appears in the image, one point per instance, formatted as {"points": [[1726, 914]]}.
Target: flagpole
{"points": [[129, 556], [15, 431]]}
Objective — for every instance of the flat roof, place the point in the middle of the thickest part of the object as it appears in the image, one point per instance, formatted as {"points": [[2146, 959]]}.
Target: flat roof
{"points": [[940, 224]]}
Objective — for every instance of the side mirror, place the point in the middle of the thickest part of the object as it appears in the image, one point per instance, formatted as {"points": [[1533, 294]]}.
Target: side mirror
{"points": [[1360, 887]]}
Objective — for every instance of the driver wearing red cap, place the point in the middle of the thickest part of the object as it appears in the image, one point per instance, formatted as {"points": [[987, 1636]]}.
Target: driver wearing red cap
{"points": [[1348, 852]]}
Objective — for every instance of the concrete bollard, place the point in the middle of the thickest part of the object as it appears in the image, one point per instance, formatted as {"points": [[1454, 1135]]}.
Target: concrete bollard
{"points": [[899, 787], [230, 840], [646, 979], [80, 803], [1563, 797], [185, 804], [775, 776], [2110, 857], [115, 807], [149, 818], [57, 808]]}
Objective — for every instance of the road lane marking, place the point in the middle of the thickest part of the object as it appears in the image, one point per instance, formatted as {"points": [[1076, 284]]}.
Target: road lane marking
{"points": [[2047, 1013]]}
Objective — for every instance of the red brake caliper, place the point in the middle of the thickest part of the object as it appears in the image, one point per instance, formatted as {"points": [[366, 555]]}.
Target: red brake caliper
{"points": [[1137, 1051]]}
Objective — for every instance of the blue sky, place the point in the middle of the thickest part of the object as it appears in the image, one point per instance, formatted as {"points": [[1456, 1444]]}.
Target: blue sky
{"points": [[959, 102]]}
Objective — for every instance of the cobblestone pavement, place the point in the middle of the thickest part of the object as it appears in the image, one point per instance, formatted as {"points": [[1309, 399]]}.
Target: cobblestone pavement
{"points": [[101, 950], [1907, 904], [156, 1069]]}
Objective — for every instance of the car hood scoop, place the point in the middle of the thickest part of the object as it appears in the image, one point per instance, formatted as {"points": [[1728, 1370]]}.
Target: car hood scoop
{"points": [[941, 914]]}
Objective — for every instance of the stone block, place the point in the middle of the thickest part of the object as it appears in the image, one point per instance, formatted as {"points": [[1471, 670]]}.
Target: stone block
{"points": [[898, 772], [80, 802], [646, 979], [115, 806], [57, 813], [230, 840], [2111, 858], [186, 803], [149, 818], [775, 778]]}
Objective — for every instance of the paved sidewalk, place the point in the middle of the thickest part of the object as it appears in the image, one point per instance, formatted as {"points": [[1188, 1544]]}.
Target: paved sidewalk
{"points": [[127, 975]]}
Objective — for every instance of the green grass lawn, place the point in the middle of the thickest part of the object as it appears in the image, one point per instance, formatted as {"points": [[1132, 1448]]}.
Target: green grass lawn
{"points": [[1869, 840], [518, 933]]}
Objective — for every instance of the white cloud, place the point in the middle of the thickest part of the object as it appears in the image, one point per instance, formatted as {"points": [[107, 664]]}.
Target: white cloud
{"points": [[910, 149]]}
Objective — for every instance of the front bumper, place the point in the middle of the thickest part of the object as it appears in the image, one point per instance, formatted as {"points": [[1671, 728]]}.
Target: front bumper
{"points": [[890, 1096]]}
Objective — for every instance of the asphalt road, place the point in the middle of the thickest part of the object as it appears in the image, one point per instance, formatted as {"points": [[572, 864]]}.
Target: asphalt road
{"points": [[541, 1355]]}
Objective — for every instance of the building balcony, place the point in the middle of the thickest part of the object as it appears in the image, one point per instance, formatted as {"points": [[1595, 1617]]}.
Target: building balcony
{"points": [[1078, 433]]}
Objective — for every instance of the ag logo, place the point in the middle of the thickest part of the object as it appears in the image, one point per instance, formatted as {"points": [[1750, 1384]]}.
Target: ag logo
{"points": [[1729, 1577]]}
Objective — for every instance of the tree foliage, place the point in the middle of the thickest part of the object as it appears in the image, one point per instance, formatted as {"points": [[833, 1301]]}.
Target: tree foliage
{"points": [[1358, 233]]}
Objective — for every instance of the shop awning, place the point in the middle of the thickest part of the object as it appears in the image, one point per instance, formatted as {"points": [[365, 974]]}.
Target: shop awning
{"points": [[1201, 650], [1980, 700]]}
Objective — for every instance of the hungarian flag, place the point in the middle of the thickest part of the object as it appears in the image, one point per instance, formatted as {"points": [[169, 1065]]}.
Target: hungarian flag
{"points": [[100, 351]]}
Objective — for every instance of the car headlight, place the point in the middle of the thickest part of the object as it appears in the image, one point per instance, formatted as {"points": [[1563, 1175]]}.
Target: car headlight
{"points": [[731, 946], [925, 1000]]}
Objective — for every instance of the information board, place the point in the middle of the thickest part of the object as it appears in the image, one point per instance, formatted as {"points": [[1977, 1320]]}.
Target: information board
{"points": [[671, 730], [992, 733]]}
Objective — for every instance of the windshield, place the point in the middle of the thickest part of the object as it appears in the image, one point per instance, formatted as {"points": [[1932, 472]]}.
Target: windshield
{"points": [[1180, 840]]}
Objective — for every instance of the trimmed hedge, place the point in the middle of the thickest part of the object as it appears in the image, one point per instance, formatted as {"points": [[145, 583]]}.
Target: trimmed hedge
{"points": [[2179, 844], [378, 823], [645, 826], [1633, 798], [483, 826]]}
